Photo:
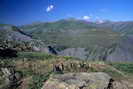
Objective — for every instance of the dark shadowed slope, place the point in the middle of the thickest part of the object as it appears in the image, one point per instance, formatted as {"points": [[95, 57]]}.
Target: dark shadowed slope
{"points": [[124, 51]]}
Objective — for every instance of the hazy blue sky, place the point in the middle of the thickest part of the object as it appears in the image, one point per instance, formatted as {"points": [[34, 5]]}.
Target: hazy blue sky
{"points": [[28, 11]]}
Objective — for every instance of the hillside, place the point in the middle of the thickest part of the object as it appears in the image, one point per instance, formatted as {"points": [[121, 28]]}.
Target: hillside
{"points": [[123, 27], [33, 69], [108, 41], [106, 56], [86, 40], [12, 37]]}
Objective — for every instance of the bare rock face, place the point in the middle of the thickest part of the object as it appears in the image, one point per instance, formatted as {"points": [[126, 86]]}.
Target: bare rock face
{"points": [[82, 81], [11, 78], [118, 85]]}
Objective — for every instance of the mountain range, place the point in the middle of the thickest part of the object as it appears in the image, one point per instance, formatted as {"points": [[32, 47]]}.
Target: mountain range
{"points": [[108, 41]]}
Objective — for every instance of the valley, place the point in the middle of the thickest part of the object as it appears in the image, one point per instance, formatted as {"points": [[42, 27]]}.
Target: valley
{"points": [[35, 56]]}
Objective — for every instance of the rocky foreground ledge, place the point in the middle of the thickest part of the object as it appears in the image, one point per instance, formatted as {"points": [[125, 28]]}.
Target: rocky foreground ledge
{"points": [[97, 80]]}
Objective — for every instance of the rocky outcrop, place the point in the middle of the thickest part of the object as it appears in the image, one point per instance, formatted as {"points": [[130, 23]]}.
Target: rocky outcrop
{"points": [[11, 78], [14, 38], [83, 81]]}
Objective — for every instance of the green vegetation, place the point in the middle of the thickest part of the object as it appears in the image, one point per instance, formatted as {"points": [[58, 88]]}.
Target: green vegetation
{"points": [[125, 67], [3, 25], [99, 41], [72, 33], [35, 55], [37, 67], [38, 81], [112, 73]]}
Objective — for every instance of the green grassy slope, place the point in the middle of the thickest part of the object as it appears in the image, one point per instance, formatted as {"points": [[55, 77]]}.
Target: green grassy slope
{"points": [[72, 33]]}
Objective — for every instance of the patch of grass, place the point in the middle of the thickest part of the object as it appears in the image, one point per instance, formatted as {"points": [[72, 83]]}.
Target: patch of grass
{"points": [[33, 67], [6, 62], [39, 66], [38, 80], [4, 25], [35, 55], [67, 57], [126, 67], [112, 73]]}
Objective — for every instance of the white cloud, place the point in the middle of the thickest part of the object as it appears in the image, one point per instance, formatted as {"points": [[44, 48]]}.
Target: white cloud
{"points": [[86, 17], [100, 21], [49, 8]]}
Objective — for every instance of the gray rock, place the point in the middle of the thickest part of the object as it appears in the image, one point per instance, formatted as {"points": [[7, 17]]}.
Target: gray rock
{"points": [[97, 80], [11, 78]]}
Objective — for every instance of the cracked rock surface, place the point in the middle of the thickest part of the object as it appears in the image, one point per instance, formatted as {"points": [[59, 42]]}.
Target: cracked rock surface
{"points": [[97, 80]]}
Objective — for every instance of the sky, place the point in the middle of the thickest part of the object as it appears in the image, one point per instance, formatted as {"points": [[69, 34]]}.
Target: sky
{"points": [[19, 12]]}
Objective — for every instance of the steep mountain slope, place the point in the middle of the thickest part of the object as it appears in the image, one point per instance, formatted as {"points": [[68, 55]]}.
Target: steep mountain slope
{"points": [[13, 33], [67, 32], [123, 27], [124, 50], [85, 40], [69, 24], [12, 37]]}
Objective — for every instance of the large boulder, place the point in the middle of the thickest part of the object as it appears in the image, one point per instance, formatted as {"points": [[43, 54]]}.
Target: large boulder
{"points": [[82, 81], [10, 78]]}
